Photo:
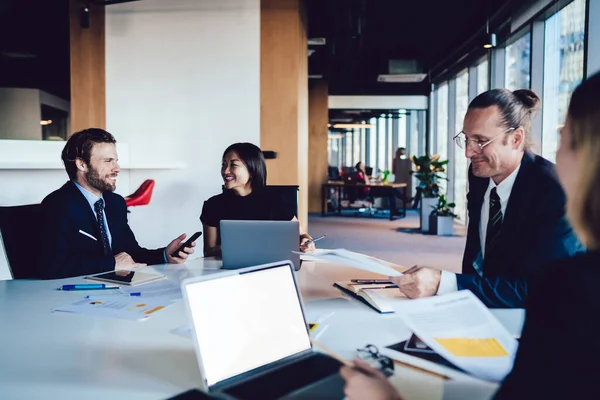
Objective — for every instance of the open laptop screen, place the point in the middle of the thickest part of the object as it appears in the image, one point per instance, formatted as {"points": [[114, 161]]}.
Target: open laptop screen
{"points": [[246, 321]]}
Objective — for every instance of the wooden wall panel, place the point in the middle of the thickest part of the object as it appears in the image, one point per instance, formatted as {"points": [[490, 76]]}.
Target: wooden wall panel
{"points": [[284, 95], [88, 72], [318, 117]]}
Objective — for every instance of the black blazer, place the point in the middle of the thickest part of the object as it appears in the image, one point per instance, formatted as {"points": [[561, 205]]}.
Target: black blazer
{"points": [[534, 232], [67, 252], [560, 346]]}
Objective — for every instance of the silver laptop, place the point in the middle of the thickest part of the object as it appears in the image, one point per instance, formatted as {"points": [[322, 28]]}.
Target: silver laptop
{"points": [[246, 243], [251, 337]]}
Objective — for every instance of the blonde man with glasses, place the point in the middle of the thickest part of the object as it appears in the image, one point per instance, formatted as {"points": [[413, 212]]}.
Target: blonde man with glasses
{"points": [[516, 207]]}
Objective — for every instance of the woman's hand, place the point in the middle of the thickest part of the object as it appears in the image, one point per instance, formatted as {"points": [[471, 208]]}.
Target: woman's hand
{"points": [[365, 382], [304, 247]]}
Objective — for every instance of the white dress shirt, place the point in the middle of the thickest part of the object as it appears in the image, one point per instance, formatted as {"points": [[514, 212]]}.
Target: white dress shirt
{"points": [[448, 280]]}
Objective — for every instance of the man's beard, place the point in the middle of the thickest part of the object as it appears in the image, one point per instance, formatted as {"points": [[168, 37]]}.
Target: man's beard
{"points": [[94, 180]]}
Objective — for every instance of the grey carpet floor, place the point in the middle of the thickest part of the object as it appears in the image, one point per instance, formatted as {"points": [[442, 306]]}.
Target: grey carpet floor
{"points": [[398, 241]]}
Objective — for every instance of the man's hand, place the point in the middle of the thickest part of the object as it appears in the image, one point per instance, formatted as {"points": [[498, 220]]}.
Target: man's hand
{"points": [[306, 248], [418, 282], [365, 382], [124, 261], [182, 255]]}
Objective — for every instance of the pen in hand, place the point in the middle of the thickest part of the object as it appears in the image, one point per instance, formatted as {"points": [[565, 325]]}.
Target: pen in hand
{"points": [[314, 240]]}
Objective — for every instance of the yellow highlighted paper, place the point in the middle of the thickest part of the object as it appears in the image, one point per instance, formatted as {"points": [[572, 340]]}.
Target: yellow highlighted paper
{"points": [[465, 347]]}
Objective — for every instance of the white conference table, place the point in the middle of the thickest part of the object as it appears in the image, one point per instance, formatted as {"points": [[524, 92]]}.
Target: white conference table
{"points": [[70, 356]]}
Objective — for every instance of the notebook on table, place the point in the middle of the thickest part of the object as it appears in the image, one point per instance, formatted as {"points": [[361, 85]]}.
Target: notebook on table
{"points": [[251, 337], [381, 297]]}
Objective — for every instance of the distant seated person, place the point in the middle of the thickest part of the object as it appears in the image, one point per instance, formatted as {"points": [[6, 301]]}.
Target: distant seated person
{"points": [[86, 228], [244, 198], [361, 175]]}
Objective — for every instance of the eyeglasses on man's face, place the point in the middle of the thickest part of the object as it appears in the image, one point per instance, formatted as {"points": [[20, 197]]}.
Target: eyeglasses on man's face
{"points": [[476, 144]]}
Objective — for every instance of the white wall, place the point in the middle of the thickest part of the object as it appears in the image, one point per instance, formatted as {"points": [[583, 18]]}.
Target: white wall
{"points": [[20, 114], [182, 83]]}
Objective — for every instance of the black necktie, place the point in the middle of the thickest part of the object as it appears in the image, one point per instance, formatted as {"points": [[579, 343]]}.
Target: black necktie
{"points": [[99, 206], [494, 222]]}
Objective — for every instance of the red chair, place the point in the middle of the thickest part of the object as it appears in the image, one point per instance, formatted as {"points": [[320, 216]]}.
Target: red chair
{"points": [[142, 195]]}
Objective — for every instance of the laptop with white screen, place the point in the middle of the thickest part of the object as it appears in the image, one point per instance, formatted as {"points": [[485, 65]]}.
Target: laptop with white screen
{"points": [[251, 337], [247, 243]]}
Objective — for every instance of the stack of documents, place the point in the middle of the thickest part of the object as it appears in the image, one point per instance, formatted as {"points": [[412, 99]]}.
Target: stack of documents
{"points": [[459, 327], [351, 259], [114, 306], [131, 302]]}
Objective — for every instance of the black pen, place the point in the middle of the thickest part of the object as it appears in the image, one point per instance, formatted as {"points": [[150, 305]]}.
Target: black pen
{"points": [[314, 240], [371, 281]]}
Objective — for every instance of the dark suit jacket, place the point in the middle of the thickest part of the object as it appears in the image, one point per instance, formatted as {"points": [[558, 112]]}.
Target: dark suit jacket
{"points": [[534, 232], [560, 346], [66, 252]]}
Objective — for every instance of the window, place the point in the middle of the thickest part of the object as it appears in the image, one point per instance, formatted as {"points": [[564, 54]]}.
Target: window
{"points": [[381, 124], [356, 145], [442, 126], [483, 77], [348, 149], [460, 161], [563, 69], [401, 130], [373, 144], [518, 56], [363, 144], [442, 121]]}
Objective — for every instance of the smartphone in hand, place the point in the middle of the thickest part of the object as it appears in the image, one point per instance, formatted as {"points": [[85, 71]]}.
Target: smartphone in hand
{"points": [[187, 243]]}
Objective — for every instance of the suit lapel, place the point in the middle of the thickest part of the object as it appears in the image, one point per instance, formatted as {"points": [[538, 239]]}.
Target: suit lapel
{"points": [[517, 204]]}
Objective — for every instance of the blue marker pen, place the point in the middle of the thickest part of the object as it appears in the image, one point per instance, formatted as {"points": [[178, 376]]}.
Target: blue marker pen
{"points": [[93, 286]]}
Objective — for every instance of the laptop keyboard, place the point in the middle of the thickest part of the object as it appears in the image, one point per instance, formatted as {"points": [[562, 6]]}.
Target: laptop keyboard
{"points": [[282, 381]]}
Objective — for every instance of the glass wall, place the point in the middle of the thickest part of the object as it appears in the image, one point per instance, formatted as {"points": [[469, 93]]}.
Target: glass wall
{"points": [[460, 161], [363, 144], [381, 125], [563, 69], [483, 76], [373, 144], [401, 131], [442, 121], [518, 60]]}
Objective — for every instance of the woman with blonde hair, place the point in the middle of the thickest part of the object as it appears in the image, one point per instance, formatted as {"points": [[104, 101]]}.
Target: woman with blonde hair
{"points": [[560, 344]]}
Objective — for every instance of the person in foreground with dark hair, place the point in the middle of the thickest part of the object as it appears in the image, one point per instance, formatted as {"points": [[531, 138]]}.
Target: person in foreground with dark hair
{"points": [[516, 207], [559, 348], [86, 228], [244, 176]]}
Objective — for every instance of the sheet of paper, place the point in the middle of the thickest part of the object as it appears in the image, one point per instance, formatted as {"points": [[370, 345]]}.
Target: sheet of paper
{"points": [[351, 259], [461, 329], [165, 290], [183, 331], [125, 307]]}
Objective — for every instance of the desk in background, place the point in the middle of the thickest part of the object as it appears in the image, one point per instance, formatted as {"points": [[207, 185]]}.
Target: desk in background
{"points": [[69, 356], [387, 190]]}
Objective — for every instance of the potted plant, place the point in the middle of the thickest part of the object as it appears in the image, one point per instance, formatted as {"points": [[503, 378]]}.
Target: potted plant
{"points": [[441, 219], [428, 173]]}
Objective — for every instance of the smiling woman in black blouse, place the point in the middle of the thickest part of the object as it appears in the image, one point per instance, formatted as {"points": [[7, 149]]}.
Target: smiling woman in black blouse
{"points": [[244, 175]]}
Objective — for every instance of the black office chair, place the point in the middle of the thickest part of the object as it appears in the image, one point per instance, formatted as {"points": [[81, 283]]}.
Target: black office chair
{"points": [[288, 193], [22, 235]]}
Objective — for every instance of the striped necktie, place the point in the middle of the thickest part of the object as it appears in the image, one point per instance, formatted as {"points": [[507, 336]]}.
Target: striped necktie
{"points": [[494, 222], [99, 207]]}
